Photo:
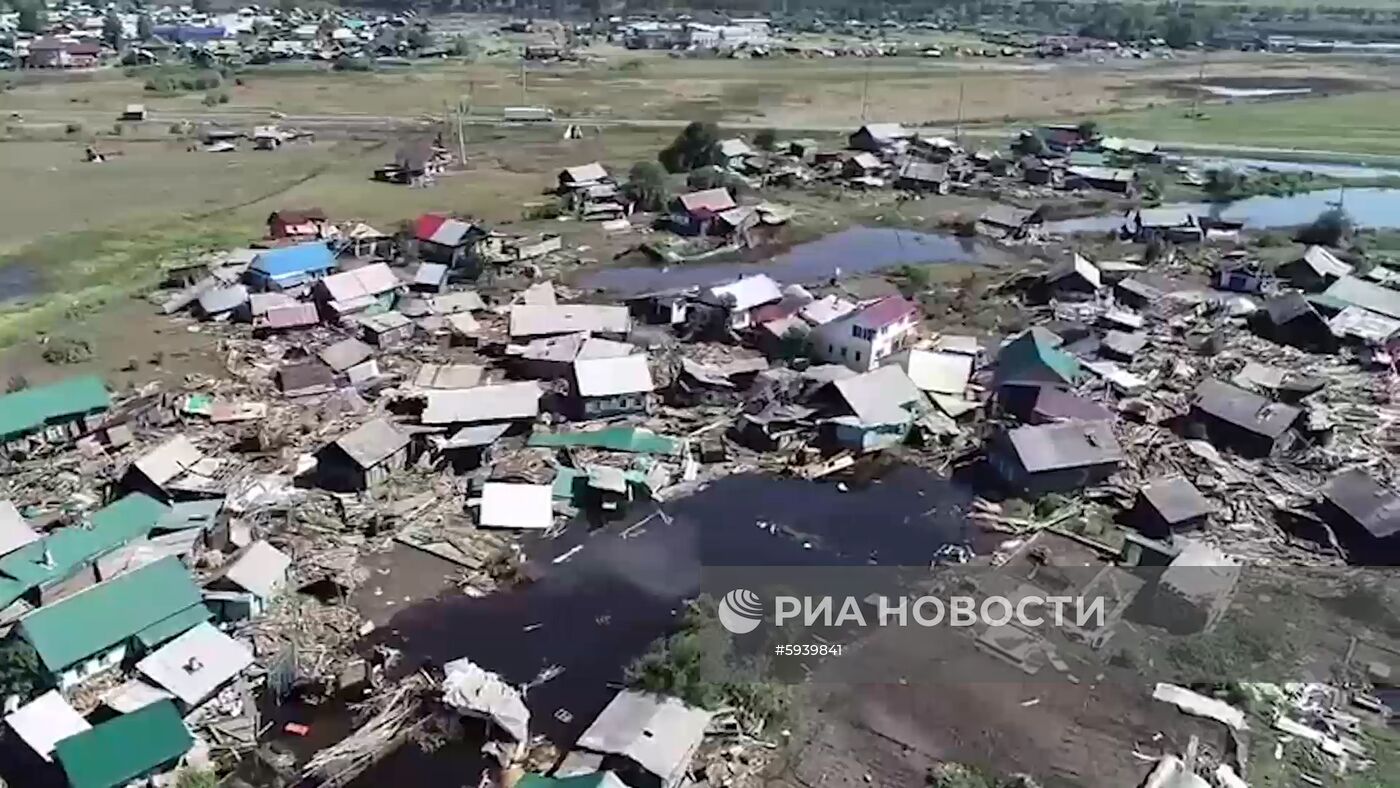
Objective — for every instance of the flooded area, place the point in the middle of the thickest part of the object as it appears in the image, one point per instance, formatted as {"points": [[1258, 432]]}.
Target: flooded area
{"points": [[853, 251], [1358, 172], [621, 586], [1376, 208], [17, 281]]}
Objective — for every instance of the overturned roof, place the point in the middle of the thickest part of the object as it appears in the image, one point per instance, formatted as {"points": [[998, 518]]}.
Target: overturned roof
{"points": [[606, 377], [470, 690], [1374, 507], [372, 443], [939, 372], [882, 396], [505, 401], [1243, 409], [1072, 444], [1175, 499], [528, 320], [658, 733], [196, 664], [168, 460]]}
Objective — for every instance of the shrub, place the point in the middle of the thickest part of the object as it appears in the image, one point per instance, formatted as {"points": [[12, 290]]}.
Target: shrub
{"points": [[67, 350], [73, 128], [344, 63]]}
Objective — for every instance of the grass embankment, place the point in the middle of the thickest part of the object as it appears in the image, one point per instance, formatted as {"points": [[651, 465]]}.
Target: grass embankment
{"points": [[82, 272], [1364, 123]]}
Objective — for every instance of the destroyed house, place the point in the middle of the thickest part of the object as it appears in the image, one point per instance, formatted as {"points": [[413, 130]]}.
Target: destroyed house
{"points": [[387, 329], [353, 291], [153, 471], [922, 176], [877, 137], [1365, 516], [647, 740], [290, 266], [246, 585], [1006, 221], [1056, 457], [196, 665], [738, 299], [305, 379], [62, 561], [1290, 319], [147, 741], [302, 225], [1245, 422], [1034, 357], [1075, 275], [449, 241], [710, 384], [98, 628], [861, 339], [363, 458], [1166, 224], [1104, 178], [529, 320], [1170, 505], [582, 177], [57, 413], [1315, 271], [697, 213], [1367, 295], [884, 404], [610, 386]]}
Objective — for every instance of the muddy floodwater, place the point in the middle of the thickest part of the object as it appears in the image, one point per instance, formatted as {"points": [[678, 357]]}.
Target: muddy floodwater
{"points": [[853, 251], [622, 586]]}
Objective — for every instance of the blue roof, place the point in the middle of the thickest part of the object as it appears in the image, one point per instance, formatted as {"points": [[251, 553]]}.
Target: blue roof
{"points": [[292, 260]]}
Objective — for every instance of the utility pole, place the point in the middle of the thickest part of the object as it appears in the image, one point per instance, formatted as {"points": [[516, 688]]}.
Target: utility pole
{"points": [[524, 100], [1200, 88], [865, 92], [461, 138], [957, 128]]}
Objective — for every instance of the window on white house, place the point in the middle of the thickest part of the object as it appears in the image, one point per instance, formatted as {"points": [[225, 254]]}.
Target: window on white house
{"points": [[857, 355], [843, 352]]}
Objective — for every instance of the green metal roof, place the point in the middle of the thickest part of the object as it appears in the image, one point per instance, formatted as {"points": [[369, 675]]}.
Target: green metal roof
{"points": [[30, 409], [125, 747], [616, 438], [174, 626], [69, 548], [108, 613], [1032, 349], [594, 780]]}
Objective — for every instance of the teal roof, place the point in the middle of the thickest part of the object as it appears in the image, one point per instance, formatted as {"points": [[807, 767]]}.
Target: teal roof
{"points": [[124, 748], [594, 780], [69, 548], [28, 410], [617, 438], [1032, 357], [174, 626], [109, 613], [566, 483], [1083, 158]]}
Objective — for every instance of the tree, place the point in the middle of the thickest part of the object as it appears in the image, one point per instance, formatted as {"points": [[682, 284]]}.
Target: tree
{"points": [[200, 6], [766, 139], [646, 184], [1330, 228], [145, 28], [1223, 183], [712, 177], [696, 146], [1030, 143], [418, 38], [1088, 130], [31, 18], [19, 668], [112, 29]]}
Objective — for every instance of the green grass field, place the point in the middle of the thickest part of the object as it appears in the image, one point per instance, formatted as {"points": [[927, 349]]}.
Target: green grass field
{"points": [[1367, 123]]}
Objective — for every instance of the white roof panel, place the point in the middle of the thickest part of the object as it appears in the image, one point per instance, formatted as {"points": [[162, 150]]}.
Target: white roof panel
{"points": [[605, 377], [507, 505], [45, 721], [194, 665]]}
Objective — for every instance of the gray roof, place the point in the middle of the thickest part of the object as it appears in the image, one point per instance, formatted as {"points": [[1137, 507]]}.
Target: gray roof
{"points": [[1288, 307], [1137, 288], [606, 377], [346, 354], [746, 293], [886, 132], [659, 733], [433, 274], [1367, 295], [168, 460], [1324, 263], [1072, 444], [1165, 217], [1376, 508], [506, 401], [882, 396], [1005, 215], [260, 569], [464, 301], [308, 374], [476, 435], [1175, 499], [449, 376], [1125, 343], [597, 347], [385, 322], [529, 320], [15, 532], [939, 372], [924, 171], [1364, 324], [196, 664], [585, 173], [1243, 409], [372, 443], [223, 299]]}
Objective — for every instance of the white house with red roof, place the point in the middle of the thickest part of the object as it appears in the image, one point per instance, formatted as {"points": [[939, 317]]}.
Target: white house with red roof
{"points": [[863, 338]]}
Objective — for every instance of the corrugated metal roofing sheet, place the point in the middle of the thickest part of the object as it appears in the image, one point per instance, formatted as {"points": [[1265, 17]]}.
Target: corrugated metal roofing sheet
{"points": [[124, 747], [28, 410], [289, 261]]}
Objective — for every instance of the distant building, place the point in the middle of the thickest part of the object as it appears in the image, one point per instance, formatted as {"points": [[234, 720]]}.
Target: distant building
{"points": [[697, 213], [879, 137], [451, 242], [51, 52], [306, 224]]}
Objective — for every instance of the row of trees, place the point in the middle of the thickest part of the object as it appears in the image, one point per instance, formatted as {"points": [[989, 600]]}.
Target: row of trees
{"points": [[695, 152]]}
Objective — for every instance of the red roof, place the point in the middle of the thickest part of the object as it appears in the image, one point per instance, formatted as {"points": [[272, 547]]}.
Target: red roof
{"points": [[428, 224], [887, 310], [298, 216]]}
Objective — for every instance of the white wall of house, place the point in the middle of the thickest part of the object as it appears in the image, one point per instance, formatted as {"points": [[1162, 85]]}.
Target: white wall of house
{"points": [[851, 343], [91, 667]]}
